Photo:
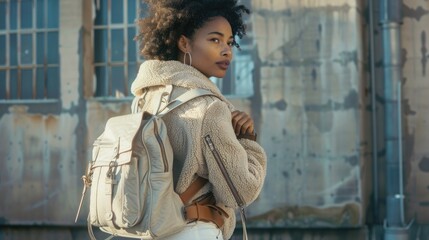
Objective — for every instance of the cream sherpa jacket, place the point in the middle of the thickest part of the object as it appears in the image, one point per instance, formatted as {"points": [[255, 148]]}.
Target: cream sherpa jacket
{"points": [[244, 160]]}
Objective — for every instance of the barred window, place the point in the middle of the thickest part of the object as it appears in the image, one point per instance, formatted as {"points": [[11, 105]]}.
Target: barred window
{"points": [[29, 55], [116, 57]]}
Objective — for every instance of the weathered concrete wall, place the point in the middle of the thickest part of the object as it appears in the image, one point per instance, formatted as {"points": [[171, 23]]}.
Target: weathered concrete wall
{"points": [[314, 120], [37, 172], [415, 43]]}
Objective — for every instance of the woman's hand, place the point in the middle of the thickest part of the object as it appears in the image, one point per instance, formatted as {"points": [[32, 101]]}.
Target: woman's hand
{"points": [[242, 124]]}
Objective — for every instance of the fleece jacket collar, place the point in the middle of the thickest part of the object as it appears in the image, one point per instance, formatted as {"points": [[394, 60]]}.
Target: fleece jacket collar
{"points": [[156, 73]]}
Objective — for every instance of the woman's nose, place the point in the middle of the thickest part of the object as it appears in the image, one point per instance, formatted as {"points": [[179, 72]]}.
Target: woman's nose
{"points": [[227, 50]]}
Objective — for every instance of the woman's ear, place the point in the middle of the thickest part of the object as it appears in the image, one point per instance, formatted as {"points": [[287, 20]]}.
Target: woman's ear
{"points": [[183, 44]]}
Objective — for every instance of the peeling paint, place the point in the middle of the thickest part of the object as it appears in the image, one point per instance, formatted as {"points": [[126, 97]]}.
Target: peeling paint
{"points": [[406, 106], [417, 13], [424, 164], [285, 174], [351, 101], [346, 57], [424, 204], [280, 105], [353, 160]]}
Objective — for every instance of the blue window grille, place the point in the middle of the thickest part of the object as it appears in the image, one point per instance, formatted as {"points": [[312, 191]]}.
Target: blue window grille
{"points": [[116, 54], [29, 55]]}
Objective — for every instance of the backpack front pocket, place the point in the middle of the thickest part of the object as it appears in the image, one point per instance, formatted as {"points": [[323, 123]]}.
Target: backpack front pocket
{"points": [[117, 195]]}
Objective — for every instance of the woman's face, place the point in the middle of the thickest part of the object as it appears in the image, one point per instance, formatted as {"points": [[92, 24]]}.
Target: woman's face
{"points": [[211, 47]]}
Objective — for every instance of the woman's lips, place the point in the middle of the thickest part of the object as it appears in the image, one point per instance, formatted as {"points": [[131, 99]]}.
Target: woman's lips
{"points": [[223, 65]]}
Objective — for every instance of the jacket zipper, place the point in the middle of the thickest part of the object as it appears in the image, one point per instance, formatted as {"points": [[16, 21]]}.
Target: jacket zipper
{"points": [[161, 144], [224, 172], [231, 186]]}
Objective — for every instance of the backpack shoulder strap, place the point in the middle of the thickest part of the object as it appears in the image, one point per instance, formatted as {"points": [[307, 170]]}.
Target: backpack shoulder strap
{"points": [[162, 100], [185, 97], [138, 103]]}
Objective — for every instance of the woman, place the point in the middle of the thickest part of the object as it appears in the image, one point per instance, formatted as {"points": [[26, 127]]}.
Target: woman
{"points": [[184, 43]]}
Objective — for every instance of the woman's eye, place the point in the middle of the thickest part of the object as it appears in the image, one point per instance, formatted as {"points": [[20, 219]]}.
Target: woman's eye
{"points": [[215, 40], [231, 44]]}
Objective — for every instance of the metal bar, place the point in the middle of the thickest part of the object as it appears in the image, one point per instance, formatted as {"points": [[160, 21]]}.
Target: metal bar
{"points": [[28, 66], [401, 160], [45, 51], [34, 60], [113, 64], [125, 35], [109, 48], [38, 30], [7, 50], [18, 37]]}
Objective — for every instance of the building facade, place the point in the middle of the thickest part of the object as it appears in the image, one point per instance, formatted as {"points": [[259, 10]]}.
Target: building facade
{"points": [[337, 89]]}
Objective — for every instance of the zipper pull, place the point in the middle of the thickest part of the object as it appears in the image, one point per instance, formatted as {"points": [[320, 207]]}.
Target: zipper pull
{"points": [[87, 181], [81, 198], [209, 142]]}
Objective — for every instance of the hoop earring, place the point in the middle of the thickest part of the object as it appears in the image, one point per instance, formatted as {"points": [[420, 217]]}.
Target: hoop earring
{"points": [[190, 58]]}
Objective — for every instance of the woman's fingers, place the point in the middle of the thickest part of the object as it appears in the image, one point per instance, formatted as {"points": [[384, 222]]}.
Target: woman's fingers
{"points": [[246, 126], [242, 123], [237, 116]]}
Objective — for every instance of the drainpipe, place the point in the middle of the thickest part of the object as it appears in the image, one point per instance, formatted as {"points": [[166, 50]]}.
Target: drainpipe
{"points": [[375, 212], [395, 227]]}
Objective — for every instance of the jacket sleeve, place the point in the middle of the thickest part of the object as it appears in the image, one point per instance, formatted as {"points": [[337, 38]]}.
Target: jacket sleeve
{"points": [[242, 161]]}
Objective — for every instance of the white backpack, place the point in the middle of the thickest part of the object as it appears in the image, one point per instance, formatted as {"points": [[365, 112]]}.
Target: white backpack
{"points": [[131, 178]]}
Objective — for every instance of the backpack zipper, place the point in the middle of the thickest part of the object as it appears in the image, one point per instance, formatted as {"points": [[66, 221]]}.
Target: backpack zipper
{"points": [[219, 162], [161, 144]]}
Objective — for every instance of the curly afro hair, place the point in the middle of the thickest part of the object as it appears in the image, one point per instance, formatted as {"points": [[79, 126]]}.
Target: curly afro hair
{"points": [[167, 20]]}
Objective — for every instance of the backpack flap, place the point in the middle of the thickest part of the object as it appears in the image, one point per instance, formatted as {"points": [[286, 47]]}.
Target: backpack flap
{"points": [[115, 144]]}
